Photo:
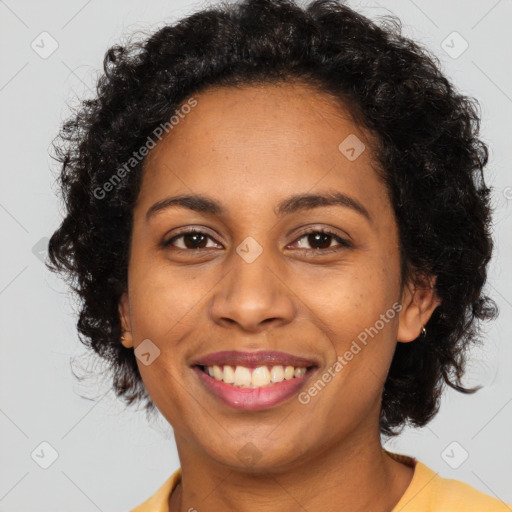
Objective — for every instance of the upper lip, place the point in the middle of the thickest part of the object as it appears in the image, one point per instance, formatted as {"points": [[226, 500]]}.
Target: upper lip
{"points": [[253, 359]]}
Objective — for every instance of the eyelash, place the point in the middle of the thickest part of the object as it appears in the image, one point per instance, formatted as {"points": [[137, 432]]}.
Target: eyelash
{"points": [[343, 243]]}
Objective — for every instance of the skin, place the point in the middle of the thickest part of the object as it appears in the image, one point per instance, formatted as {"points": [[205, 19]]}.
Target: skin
{"points": [[249, 148]]}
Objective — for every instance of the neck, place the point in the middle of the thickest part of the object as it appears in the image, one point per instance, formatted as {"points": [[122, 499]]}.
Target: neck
{"points": [[356, 474]]}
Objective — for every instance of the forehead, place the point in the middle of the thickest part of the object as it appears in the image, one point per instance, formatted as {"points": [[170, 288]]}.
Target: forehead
{"points": [[262, 140], [287, 115]]}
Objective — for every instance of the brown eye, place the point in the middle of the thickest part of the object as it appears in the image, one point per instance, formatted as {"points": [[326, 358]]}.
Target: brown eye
{"points": [[320, 240], [191, 240]]}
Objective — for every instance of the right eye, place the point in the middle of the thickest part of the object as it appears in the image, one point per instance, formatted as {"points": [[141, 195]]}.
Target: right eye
{"points": [[191, 240]]}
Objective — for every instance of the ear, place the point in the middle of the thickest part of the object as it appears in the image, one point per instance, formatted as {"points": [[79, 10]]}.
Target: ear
{"points": [[124, 315], [419, 300]]}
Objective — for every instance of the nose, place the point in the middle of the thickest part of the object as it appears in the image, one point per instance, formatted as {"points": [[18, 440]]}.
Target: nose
{"points": [[252, 295]]}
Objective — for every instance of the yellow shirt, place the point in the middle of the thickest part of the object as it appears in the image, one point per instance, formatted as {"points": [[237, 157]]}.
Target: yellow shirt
{"points": [[427, 492]]}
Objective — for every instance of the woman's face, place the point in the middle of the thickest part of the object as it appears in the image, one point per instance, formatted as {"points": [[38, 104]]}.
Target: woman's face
{"points": [[259, 277]]}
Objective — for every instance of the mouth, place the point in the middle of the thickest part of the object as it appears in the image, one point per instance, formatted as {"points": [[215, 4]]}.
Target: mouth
{"points": [[254, 378], [253, 381]]}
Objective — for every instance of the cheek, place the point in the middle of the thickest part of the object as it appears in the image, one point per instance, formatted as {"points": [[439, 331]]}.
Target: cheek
{"points": [[351, 298], [162, 298], [361, 315]]}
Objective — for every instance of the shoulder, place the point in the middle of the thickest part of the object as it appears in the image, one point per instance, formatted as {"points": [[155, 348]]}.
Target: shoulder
{"points": [[454, 495], [160, 500], [430, 492]]}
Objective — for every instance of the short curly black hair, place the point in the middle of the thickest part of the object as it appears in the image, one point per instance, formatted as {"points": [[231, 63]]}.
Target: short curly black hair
{"points": [[426, 142]]}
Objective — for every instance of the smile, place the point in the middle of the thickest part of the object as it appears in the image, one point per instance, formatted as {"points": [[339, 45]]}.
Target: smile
{"points": [[252, 397]]}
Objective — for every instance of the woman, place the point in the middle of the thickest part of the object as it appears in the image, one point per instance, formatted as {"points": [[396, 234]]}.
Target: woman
{"points": [[279, 229]]}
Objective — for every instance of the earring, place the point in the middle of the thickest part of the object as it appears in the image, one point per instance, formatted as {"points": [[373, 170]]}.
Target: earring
{"points": [[424, 331], [126, 339]]}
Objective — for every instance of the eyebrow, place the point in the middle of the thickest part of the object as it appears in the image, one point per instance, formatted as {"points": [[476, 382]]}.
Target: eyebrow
{"points": [[299, 202]]}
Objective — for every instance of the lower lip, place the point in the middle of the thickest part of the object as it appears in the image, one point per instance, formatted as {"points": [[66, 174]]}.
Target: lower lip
{"points": [[253, 399]]}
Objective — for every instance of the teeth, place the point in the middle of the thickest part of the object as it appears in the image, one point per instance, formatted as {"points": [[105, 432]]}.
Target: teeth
{"points": [[259, 377], [217, 372], [229, 375], [277, 374], [242, 377], [299, 372], [289, 372]]}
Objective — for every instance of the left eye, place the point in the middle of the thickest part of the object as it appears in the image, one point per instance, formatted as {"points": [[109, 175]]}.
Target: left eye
{"points": [[323, 239], [319, 239]]}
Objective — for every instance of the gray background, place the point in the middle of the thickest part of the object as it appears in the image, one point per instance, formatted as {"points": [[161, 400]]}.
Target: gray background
{"points": [[109, 458]]}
